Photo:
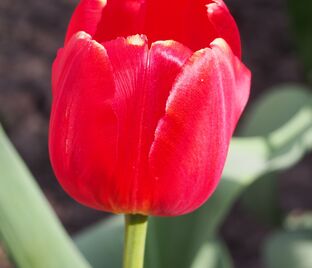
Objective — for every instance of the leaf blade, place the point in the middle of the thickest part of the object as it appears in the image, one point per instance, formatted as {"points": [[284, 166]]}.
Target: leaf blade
{"points": [[28, 227]]}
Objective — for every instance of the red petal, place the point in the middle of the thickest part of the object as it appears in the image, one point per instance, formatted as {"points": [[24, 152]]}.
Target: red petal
{"points": [[192, 139], [188, 23], [193, 23], [143, 81], [121, 18], [83, 127], [85, 18], [224, 25]]}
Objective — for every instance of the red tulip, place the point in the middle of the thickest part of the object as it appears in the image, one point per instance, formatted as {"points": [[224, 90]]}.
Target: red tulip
{"points": [[140, 125]]}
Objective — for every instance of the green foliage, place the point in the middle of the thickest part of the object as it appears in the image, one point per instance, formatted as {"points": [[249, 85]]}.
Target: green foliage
{"points": [[212, 254], [102, 244], [261, 200], [279, 105], [289, 250], [275, 109], [28, 227], [291, 247]]}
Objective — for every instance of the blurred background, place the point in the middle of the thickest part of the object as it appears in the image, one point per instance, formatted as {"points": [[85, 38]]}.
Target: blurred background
{"points": [[31, 31]]}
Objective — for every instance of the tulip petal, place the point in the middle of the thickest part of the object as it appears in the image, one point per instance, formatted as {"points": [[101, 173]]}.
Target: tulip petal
{"points": [[129, 59], [85, 17], [83, 126], [193, 23], [121, 18], [224, 25], [143, 80], [191, 140]]}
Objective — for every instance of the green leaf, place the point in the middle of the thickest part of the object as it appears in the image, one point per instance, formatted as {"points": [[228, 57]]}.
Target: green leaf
{"points": [[102, 244], [274, 109], [289, 250], [268, 113], [175, 242], [212, 254], [28, 227], [261, 200]]}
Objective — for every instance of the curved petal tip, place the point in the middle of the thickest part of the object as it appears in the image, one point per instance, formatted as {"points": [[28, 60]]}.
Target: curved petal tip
{"points": [[86, 17]]}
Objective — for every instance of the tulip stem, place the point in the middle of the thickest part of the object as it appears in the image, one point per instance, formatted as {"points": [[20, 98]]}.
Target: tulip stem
{"points": [[134, 244]]}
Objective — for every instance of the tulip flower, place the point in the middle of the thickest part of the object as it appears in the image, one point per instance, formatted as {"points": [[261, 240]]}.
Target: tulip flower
{"points": [[146, 96], [142, 125]]}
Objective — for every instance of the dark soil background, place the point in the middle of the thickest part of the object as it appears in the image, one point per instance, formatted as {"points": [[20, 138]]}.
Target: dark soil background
{"points": [[31, 31]]}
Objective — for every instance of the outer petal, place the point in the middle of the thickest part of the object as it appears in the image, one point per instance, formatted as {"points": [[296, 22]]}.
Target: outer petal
{"points": [[85, 18], [129, 61], [106, 106], [191, 140], [83, 126], [143, 81]]}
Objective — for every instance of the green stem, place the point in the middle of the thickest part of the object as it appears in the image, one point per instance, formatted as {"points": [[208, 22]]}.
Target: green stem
{"points": [[135, 236]]}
